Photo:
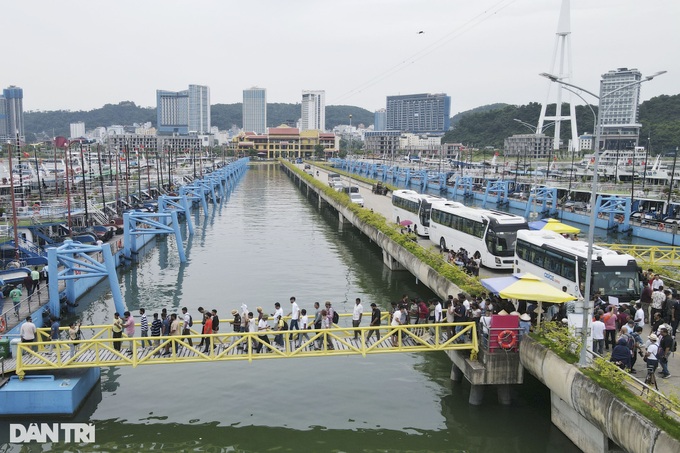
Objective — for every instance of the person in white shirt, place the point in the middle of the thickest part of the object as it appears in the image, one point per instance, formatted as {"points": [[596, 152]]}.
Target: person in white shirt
{"points": [[357, 313], [294, 317], [304, 325], [262, 328], [396, 321], [28, 331], [598, 329], [187, 321], [657, 283], [639, 317], [438, 312], [278, 311]]}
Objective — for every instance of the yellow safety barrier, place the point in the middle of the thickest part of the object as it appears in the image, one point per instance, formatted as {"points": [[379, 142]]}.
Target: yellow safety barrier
{"points": [[649, 254], [100, 349]]}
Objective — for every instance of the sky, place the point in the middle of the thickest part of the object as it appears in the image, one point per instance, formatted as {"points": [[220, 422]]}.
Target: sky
{"points": [[82, 54]]}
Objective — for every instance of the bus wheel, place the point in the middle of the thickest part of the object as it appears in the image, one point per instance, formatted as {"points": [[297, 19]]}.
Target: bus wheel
{"points": [[442, 244]]}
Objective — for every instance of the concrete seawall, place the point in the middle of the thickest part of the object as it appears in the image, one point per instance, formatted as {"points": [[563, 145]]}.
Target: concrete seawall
{"points": [[592, 417]]}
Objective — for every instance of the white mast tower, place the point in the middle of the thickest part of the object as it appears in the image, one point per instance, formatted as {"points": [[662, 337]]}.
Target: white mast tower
{"points": [[563, 48]]}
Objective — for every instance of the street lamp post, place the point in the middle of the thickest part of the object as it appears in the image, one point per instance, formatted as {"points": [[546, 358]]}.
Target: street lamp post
{"points": [[13, 198], [84, 173], [350, 134], [583, 359]]}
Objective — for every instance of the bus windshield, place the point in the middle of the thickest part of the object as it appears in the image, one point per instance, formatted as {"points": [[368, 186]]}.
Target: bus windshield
{"points": [[501, 240], [616, 282]]}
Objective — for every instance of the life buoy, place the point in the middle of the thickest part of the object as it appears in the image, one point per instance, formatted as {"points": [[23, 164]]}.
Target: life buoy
{"points": [[507, 339], [661, 226], [3, 324]]}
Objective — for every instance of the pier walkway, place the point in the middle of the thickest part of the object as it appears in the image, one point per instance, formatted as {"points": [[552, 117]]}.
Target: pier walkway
{"points": [[100, 349]]}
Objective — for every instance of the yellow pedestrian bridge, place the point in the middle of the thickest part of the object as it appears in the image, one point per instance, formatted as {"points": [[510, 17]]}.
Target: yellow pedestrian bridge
{"points": [[649, 254], [100, 349]]}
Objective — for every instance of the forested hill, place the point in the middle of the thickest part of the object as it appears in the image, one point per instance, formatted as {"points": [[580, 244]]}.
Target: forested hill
{"points": [[224, 116], [659, 116]]}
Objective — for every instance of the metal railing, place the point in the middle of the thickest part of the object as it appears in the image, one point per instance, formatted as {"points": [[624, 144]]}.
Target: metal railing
{"points": [[650, 254], [650, 395], [101, 349], [9, 317]]}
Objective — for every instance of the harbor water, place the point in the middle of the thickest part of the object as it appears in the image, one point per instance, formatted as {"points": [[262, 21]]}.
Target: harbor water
{"points": [[267, 242]]}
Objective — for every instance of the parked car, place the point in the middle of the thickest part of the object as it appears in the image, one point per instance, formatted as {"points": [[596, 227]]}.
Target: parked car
{"points": [[356, 198]]}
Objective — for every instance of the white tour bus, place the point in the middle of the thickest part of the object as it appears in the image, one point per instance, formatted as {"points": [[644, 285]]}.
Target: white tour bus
{"points": [[562, 263], [491, 233], [414, 207]]}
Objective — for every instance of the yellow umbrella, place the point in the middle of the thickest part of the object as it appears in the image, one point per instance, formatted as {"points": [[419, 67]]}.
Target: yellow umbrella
{"points": [[531, 287], [559, 227]]}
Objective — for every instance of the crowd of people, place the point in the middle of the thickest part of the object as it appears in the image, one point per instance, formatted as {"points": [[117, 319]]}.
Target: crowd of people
{"points": [[272, 328], [620, 327], [462, 259]]}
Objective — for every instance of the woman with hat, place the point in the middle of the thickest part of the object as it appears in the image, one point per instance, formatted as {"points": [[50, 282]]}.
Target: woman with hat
{"points": [[525, 323]]}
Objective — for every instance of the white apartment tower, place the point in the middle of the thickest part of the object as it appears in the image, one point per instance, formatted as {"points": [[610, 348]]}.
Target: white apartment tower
{"points": [[619, 118], [313, 110], [77, 129], [199, 109]]}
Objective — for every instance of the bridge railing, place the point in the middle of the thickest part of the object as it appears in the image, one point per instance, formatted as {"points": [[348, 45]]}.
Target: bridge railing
{"points": [[651, 254], [101, 349]]}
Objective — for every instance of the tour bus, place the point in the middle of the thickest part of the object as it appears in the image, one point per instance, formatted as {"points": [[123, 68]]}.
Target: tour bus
{"points": [[562, 263], [491, 233], [414, 207]]}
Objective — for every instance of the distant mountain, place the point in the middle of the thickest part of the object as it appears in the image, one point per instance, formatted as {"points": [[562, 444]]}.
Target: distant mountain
{"points": [[484, 108], [57, 122], [224, 116]]}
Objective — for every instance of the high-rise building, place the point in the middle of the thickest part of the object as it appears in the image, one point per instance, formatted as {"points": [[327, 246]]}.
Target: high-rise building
{"points": [[255, 110], [77, 129], [380, 120], [12, 113], [313, 110], [619, 111], [419, 113], [199, 109], [183, 112]]}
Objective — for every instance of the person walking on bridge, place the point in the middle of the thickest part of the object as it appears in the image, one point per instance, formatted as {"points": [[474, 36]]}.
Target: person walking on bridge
{"points": [[144, 326], [357, 313], [16, 295], [207, 330], [375, 322], [117, 331], [294, 316], [129, 325], [187, 322], [35, 276]]}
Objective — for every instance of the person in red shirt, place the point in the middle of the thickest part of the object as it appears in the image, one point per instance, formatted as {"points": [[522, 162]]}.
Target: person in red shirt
{"points": [[609, 320], [207, 330]]}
